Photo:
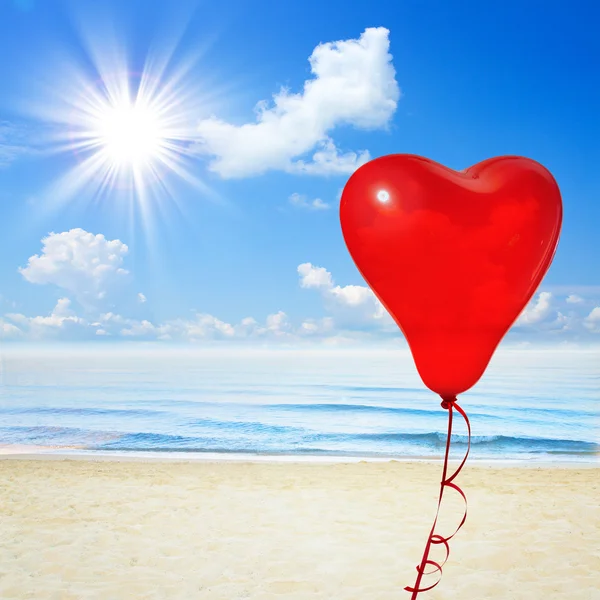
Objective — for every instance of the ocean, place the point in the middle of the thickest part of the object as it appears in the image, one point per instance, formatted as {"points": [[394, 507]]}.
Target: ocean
{"points": [[530, 405]]}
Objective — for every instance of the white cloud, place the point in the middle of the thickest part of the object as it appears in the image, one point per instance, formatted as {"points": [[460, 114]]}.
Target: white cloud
{"points": [[314, 277], [249, 322], [202, 327], [318, 204], [139, 329], [353, 295], [327, 160], [209, 327], [80, 262], [320, 278], [536, 311], [61, 322], [111, 318], [63, 308], [357, 311], [354, 306], [9, 331], [278, 323], [592, 321], [554, 317], [301, 201], [353, 313], [141, 298], [314, 327], [353, 84]]}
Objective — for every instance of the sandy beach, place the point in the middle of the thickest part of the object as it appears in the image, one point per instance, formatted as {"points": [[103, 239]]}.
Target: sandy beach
{"points": [[106, 529]]}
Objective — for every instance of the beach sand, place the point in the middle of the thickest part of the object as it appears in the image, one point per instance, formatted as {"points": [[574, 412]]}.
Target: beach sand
{"points": [[98, 529]]}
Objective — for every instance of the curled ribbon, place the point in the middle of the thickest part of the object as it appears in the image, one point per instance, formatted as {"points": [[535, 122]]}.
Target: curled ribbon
{"points": [[434, 538]]}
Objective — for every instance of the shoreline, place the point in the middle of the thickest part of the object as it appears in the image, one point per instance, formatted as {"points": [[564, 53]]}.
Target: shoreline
{"points": [[45, 453]]}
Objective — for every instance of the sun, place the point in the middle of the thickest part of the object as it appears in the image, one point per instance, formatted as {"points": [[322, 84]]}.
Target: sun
{"points": [[131, 135], [127, 133]]}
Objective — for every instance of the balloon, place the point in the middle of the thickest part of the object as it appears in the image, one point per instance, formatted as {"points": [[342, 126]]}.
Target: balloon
{"points": [[454, 257]]}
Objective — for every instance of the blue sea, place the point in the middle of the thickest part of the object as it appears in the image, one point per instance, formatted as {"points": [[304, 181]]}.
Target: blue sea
{"points": [[531, 404]]}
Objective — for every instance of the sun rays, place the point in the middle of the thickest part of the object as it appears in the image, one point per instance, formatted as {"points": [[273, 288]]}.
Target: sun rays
{"points": [[126, 135], [131, 135]]}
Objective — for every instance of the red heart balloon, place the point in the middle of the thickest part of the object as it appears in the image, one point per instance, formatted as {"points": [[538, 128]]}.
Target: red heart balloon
{"points": [[453, 256]]}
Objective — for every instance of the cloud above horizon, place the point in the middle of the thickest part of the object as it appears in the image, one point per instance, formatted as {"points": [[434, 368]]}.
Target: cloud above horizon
{"points": [[354, 306], [353, 83], [88, 266], [78, 262], [355, 315], [301, 201]]}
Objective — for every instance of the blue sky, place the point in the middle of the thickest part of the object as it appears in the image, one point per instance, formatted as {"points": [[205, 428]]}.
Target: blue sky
{"points": [[274, 104]]}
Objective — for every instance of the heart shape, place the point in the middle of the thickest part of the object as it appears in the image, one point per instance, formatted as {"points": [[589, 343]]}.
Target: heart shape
{"points": [[453, 256]]}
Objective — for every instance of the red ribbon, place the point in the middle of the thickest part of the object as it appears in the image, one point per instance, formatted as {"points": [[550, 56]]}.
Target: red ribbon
{"points": [[449, 404]]}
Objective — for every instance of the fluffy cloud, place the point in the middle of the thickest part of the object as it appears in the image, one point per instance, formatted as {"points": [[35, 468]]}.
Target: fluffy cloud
{"points": [[79, 262], [349, 295], [314, 277], [353, 84], [64, 324], [327, 160], [356, 309], [353, 295], [61, 322], [317, 327], [9, 331], [592, 321], [301, 201], [141, 298], [202, 327], [558, 317], [536, 311], [353, 313], [354, 306]]}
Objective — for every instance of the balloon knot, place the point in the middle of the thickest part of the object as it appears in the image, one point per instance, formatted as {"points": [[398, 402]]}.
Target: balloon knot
{"points": [[448, 402]]}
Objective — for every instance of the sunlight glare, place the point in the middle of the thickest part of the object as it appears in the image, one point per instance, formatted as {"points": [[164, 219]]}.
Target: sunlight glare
{"points": [[131, 134]]}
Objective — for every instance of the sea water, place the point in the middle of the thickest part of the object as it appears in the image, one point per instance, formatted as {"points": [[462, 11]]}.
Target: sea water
{"points": [[531, 404]]}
